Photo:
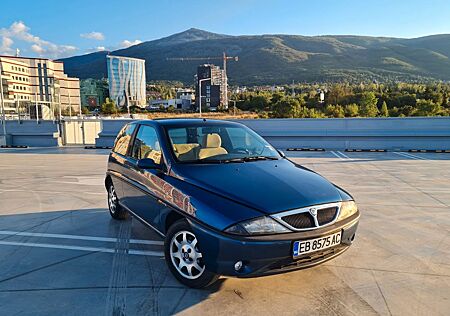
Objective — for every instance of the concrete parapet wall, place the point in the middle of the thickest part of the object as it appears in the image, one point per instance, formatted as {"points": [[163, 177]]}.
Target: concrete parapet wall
{"points": [[109, 131], [347, 133], [354, 133], [33, 134]]}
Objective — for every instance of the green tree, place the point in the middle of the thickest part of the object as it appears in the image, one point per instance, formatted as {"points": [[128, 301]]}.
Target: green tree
{"points": [[368, 104], [109, 107], [427, 108], [384, 110], [334, 111], [287, 108], [351, 110], [68, 111], [277, 96], [84, 110], [406, 110], [313, 113]]}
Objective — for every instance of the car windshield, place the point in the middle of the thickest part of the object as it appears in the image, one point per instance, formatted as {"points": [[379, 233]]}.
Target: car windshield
{"points": [[219, 144]]}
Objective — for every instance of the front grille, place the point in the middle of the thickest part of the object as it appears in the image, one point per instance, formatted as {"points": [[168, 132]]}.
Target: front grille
{"points": [[304, 219], [299, 220], [326, 215]]}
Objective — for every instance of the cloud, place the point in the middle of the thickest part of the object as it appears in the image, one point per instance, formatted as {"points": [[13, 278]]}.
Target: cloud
{"points": [[123, 44], [19, 31], [98, 36], [37, 49], [127, 43], [5, 47]]}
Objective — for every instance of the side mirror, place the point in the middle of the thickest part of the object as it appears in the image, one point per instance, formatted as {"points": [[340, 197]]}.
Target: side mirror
{"points": [[147, 163], [281, 154]]}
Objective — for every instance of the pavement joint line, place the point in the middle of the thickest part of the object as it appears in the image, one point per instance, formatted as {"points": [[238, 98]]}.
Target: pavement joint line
{"points": [[93, 288], [407, 183], [421, 158], [44, 191], [414, 156], [43, 223], [46, 266], [388, 271], [344, 155], [82, 248], [337, 155], [79, 237], [381, 292], [410, 156]]}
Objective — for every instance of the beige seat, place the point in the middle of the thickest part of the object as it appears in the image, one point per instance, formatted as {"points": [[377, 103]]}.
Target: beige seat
{"points": [[211, 146], [186, 151]]}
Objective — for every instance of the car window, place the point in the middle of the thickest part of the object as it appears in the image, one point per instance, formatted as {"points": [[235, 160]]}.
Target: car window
{"points": [[123, 139], [239, 137], [146, 144], [178, 135], [218, 143]]}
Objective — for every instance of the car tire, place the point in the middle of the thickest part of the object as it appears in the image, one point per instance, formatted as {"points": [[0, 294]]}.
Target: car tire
{"points": [[115, 209], [184, 258]]}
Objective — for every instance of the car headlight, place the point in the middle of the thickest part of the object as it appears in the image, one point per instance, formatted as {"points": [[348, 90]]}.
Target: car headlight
{"points": [[259, 226], [348, 208]]}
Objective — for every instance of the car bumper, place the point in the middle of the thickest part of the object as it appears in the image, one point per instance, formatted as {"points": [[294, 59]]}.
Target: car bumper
{"points": [[264, 255]]}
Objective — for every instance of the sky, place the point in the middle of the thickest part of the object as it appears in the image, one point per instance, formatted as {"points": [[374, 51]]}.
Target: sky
{"points": [[61, 28]]}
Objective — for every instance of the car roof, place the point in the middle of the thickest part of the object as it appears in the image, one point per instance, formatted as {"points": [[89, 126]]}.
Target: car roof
{"points": [[181, 122]]}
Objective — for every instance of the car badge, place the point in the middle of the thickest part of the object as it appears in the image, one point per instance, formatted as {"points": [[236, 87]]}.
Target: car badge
{"points": [[313, 211]]}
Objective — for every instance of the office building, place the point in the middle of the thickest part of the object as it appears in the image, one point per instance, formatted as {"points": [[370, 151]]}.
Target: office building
{"points": [[187, 97], [126, 78], [93, 92], [213, 91], [27, 81]]}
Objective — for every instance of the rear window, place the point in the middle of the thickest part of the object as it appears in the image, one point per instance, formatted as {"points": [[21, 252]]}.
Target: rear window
{"points": [[123, 139]]}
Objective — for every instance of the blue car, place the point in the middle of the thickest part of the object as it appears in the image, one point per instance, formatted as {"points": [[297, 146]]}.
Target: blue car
{"points": [[225, 201]]}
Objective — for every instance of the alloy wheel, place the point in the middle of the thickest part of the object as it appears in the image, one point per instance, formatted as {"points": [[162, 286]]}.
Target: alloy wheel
{"points": [[185, 255], [112, 199]]}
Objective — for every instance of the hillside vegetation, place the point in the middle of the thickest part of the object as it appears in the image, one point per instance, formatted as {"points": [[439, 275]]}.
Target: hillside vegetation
{"points": [[279, 59]]}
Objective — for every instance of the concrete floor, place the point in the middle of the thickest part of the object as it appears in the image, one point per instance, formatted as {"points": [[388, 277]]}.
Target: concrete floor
{"points": [[58, 245]]}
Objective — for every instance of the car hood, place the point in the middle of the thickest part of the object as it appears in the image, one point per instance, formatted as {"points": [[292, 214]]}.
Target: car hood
{"points": [[269, 186]]}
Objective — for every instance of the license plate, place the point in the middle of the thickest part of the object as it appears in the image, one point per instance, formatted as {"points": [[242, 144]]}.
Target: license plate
{"points": [[311, 245]]}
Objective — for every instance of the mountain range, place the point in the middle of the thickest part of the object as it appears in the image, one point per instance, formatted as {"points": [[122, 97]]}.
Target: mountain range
{"points": [[280, 59]]}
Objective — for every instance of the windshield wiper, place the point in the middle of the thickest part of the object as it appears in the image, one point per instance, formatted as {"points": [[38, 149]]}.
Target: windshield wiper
{"points": [[241, 159], [253, 158], [221, 160]]}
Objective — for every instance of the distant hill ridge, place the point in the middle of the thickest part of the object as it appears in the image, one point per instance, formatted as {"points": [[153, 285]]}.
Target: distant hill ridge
{"points": [[271, 59]]}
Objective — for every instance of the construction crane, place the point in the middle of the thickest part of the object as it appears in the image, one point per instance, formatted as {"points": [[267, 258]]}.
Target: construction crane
{"points": [[224, 57]]}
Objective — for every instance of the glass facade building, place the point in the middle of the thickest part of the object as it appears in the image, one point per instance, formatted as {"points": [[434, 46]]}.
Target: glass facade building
{"points": [[126, 78]]}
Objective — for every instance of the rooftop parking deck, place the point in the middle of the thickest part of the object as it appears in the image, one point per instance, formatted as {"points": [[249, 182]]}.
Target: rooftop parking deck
{"points": [[62, 254]]}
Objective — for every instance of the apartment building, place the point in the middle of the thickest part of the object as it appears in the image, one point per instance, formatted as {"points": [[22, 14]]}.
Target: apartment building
{"points": [[40, 81], [212, 92]]}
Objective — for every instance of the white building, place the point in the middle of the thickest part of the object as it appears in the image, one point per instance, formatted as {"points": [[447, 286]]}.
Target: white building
{"points": [[126, 78]]}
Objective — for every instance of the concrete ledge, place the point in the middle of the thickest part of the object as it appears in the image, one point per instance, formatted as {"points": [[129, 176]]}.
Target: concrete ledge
{"points": [[348, 133], [33, 134]]}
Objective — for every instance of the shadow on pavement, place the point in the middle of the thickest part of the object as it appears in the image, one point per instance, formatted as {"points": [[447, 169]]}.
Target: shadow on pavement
{"points": [[82, 262]]}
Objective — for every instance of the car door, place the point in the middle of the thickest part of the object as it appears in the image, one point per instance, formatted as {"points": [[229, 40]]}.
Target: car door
{"points": [[141, 190], [117, 158]]}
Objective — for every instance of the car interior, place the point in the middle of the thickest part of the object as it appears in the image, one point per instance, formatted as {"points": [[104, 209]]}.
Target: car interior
{"points": [[211, 146]]}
